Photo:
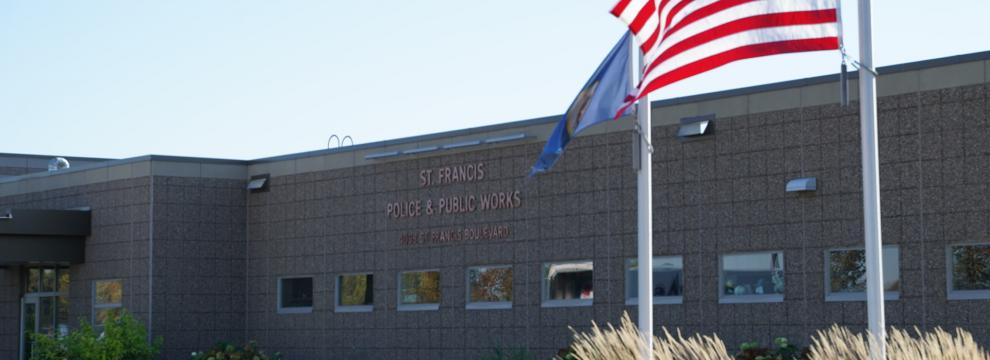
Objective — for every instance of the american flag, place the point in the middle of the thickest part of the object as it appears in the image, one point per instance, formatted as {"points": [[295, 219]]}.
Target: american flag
{"points": [[683, 38]]}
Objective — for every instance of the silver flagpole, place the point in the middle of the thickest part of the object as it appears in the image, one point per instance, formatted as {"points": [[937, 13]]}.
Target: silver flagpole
{"points": [[871, 185], [644, 227]]}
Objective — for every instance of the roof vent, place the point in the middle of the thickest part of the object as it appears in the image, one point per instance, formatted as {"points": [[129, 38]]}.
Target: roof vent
{"points": [[58, 163]]}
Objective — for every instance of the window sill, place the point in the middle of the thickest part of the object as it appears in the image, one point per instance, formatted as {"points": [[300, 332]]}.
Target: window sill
{"points": [[296, 310], [859, 296], [419, 307], [659, 300], [354, 308], [968, 295], [567, 303], [750, 299], [488, 305]]}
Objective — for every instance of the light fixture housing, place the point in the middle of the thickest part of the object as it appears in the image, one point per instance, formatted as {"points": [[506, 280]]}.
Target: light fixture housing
{"points": [[695, 126], [805, 184], [258, 183]]}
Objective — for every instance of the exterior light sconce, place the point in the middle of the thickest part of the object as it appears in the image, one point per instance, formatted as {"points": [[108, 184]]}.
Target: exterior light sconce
{"points": [[258, 183], [806, 184], [695, 126]]}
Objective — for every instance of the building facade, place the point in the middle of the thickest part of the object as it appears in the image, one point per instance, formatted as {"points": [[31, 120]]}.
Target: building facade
{"points": [[440, 246]]}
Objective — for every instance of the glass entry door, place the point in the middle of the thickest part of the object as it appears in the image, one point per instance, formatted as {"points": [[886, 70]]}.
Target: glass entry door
{"points": [[45, 305]]}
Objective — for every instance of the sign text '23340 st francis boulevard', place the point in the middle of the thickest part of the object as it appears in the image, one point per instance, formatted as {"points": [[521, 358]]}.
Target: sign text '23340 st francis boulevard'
{"points": [[454, 204]]}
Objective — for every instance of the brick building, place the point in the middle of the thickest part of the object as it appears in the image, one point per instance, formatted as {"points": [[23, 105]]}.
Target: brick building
{"points": [[439, 246]]}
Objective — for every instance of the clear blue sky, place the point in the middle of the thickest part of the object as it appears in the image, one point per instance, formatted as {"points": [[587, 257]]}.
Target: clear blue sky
{"points": [[246, 79]]}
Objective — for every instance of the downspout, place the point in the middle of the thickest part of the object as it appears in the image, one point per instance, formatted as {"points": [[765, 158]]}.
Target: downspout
{"points": [[247, 263], [151, 249]]}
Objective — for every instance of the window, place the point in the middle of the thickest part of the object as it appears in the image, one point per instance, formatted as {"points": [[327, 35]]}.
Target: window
{"points": [[668, 280], [48, 287], [752, 277], [568, 284], [107, 300], [295, 295], [489, 287], [969, 271], [845, 277], [419, 290], [355, 292]]}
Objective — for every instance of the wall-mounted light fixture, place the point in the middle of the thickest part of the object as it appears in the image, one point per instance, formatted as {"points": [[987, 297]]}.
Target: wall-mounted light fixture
{"points": [[802, 184], [258, 183], [695, 126]]}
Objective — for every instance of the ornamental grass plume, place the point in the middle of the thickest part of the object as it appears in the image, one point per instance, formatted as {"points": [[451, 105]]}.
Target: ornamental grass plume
{"points": [[938, 344], [840, 343], [623, 343]]}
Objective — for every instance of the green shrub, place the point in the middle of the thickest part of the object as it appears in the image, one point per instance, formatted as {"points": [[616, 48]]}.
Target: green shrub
{"points": [[226, 351], [123, 338], [784, 351], [752, 351], [509, 354]]}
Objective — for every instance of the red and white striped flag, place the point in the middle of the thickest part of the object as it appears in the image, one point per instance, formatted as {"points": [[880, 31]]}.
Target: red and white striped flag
{"points": [[683, 38]]}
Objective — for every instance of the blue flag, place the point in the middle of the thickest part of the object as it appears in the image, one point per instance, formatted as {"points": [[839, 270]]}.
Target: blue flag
{"points": [[598, 101]]}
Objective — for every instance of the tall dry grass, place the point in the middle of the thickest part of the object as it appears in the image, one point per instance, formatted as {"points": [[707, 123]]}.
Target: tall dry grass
{"points": [[612, 343], [836, 342], [840, 343]]}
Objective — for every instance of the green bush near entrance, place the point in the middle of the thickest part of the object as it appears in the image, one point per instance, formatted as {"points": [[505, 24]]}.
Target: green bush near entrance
{"points": [[225, 351], [123, 338]]}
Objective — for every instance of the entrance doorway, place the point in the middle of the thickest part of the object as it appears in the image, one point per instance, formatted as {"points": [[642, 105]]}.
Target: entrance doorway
{"points": [[45, 305]]}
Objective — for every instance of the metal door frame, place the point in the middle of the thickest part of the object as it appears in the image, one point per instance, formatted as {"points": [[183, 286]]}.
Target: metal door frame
{"points": [[25, 300], [35, 299]]}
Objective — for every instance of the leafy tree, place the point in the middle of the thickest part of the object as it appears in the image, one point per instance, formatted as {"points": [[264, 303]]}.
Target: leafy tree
{"points": [[123, 338]]}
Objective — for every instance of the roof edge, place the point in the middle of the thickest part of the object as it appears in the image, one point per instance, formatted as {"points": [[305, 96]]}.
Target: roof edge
{"points": [[816, 80], [890, 69]]}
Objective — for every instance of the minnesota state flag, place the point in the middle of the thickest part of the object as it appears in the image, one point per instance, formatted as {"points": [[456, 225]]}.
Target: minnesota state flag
{"points": [[599, 100]]}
